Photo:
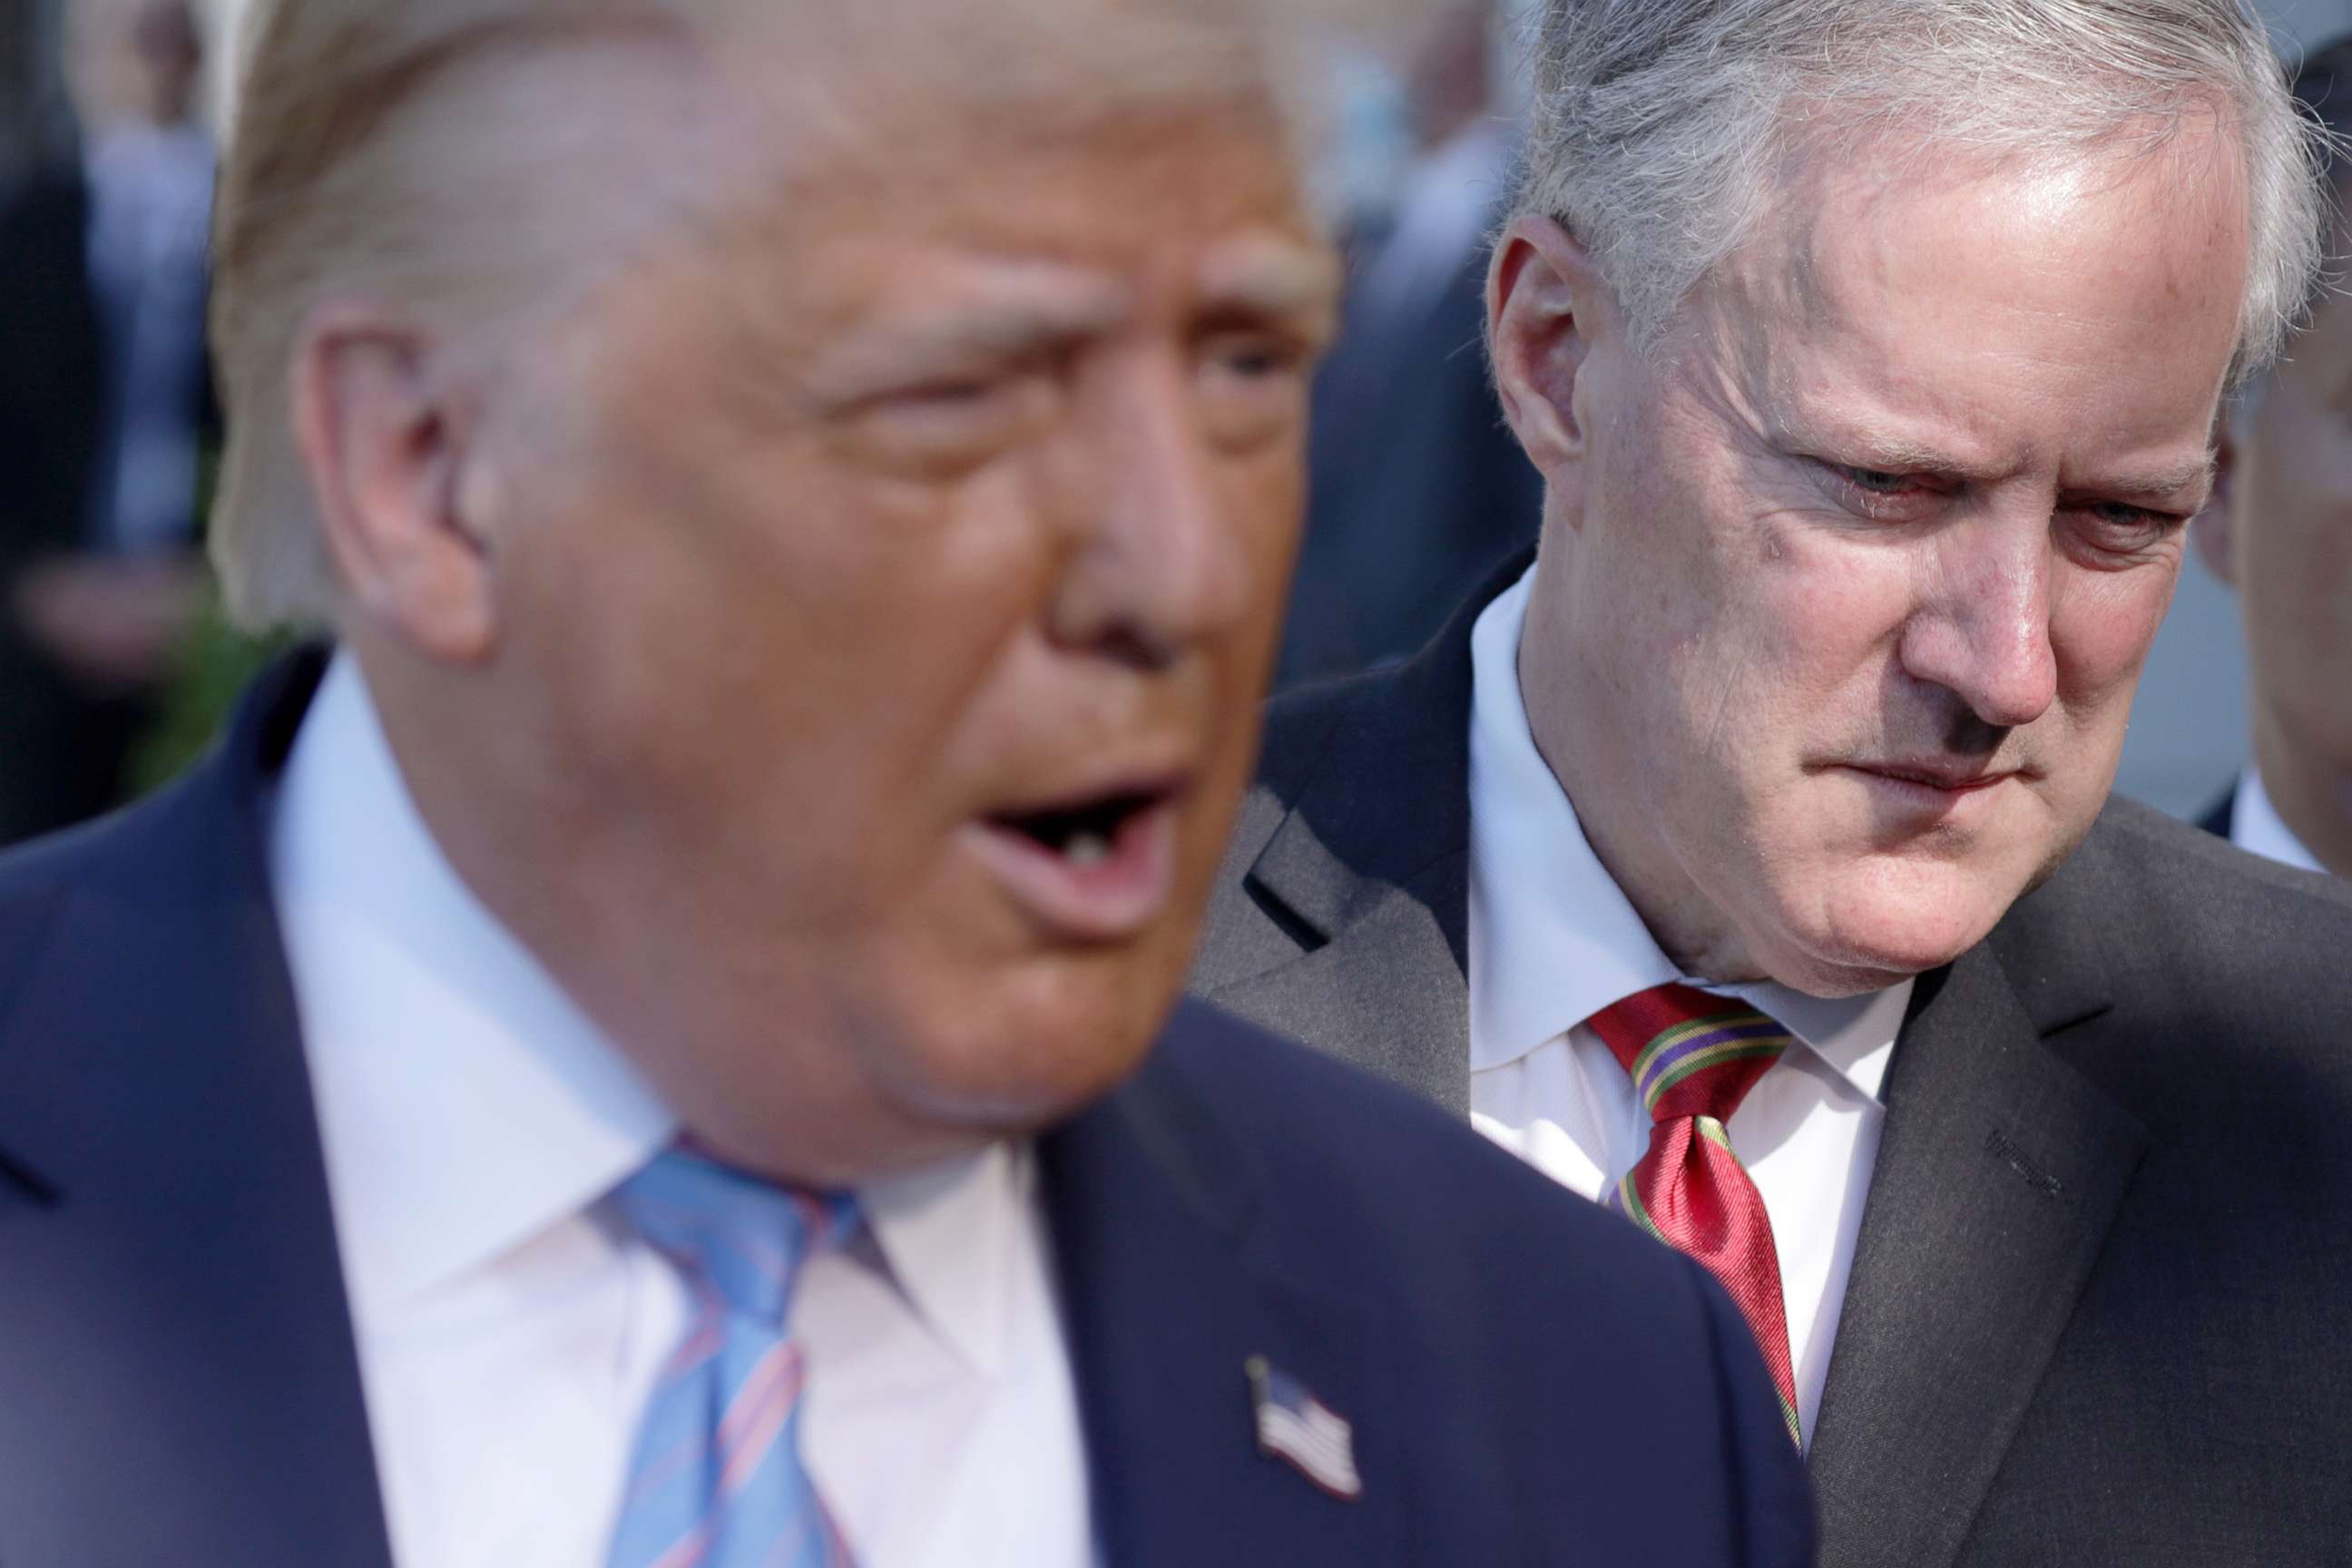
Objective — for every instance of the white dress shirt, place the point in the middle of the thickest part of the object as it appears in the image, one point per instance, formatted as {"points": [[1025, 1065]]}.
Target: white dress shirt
{"points": [[510, 1332], [2256, 826], [1553, 941]]}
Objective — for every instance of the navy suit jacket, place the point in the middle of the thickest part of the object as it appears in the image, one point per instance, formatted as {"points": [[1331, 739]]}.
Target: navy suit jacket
{"points": [[1528, 1380], [1417, 487], [2221, 818]]}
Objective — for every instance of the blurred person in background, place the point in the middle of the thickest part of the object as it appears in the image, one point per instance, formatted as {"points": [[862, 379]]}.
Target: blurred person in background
{"points": [[105, 412], [1418, 488], [1745, 857], [657, 1049], [2280, 531]]}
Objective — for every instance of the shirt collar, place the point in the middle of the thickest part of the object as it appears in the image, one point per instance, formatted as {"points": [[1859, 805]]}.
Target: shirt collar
{"points": [[1553, 940], [467, 1104], [2256, 826], [953, 1237]]}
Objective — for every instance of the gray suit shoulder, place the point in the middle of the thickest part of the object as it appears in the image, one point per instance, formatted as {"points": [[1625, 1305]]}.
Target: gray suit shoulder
{"points": [[2166, 886], [1240, 939], [2226, 980]]}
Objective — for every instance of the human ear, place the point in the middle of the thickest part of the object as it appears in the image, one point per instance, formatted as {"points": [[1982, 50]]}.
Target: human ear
{"points": [[385, 432], [1545, 301]]}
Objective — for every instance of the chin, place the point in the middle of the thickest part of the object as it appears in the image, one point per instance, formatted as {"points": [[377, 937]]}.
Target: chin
{"points": [[1012, 1054], [1880, 924]]}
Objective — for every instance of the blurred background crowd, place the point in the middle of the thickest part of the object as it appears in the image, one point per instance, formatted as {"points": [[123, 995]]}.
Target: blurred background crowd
{"points": [[114, 667]]}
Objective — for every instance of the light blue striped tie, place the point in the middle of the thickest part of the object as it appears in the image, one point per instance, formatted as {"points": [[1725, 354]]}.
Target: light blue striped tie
{"points": [[718, 1480]]}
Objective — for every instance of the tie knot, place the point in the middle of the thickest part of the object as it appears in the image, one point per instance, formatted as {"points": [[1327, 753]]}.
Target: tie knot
{"points": [[745, 1236], [1687, 1052]]}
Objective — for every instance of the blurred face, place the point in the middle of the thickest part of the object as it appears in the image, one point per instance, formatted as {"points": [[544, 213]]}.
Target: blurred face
{"points": [[2289, 549], [1843, 606], [132, 60], [886, 569]]}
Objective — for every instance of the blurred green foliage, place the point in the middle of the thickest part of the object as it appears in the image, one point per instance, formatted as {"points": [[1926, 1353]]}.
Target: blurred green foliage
{"points": [[214, 664]]}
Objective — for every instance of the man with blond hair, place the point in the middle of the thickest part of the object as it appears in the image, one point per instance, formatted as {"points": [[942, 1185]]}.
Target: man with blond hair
{"points": [[657, 1049], [1745, 857]]}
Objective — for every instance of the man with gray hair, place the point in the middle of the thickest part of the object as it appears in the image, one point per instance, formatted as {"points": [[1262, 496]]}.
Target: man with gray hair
{"points": [[657, 1049], [1746, 860]]}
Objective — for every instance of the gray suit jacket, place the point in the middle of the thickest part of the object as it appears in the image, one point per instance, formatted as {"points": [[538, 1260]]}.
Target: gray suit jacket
{"points": [[2101, 1307]]}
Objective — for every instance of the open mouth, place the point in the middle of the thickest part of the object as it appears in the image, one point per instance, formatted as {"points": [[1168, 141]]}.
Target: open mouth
{"points": [[1097, 868], [1084, 835]]}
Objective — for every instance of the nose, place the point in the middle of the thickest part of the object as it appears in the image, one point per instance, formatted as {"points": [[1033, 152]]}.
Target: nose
{"points": [[1161, 560], [1983, 632]]}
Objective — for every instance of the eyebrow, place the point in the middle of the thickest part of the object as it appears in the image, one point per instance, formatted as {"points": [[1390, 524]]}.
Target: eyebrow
{"points": [[1263, 275], [1893, 452], [1023, 312], [2156, 484]]}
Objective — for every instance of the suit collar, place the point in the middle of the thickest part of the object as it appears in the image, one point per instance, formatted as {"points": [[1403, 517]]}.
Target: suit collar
{"points": [[2222, 816], [1370, 866], [2256, 827], [152, 1083], [2000, 1173], [1332, 863], [1168, 1293]]}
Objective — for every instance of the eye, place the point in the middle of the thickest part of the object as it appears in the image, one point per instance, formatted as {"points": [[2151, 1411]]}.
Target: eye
{"points": [[1253, 386], [951, 426], [1258, 360], [949, 395], [1877, 482], [1880, 495], [2123, 529]]}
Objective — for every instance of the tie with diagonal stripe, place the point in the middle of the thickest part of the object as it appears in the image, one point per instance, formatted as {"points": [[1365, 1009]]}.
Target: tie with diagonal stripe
{"points": [[717, 1481], [1693, 1058]]}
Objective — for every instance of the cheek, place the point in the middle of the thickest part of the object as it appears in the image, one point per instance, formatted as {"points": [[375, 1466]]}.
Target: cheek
{"points": [[777, 638], [2101, 628], [2296, 561], [1787, 640]]}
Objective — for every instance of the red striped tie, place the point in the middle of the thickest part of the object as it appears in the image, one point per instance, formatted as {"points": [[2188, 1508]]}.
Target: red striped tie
{"points": [[1693, 1058]]}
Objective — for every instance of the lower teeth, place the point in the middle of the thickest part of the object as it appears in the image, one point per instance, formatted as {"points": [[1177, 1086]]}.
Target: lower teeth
{"points": [[1088, 849]]}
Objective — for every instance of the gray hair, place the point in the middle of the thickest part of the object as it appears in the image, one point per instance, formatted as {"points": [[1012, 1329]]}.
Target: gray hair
{"points": [[1659, 126], [2323, 89]]}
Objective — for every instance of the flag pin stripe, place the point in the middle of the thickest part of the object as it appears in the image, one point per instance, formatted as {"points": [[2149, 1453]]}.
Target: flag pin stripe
{"points": [[1299, 1429]]}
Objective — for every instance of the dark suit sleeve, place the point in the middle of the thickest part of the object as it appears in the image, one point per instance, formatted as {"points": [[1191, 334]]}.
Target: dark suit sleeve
{"points": [[1775, 1498]]}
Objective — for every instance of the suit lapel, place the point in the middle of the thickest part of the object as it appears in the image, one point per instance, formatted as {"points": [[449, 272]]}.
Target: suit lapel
{"points": [[1167, 1301], [1388, 991], [1370, 869], [1998, 1174], [175, 1349]]}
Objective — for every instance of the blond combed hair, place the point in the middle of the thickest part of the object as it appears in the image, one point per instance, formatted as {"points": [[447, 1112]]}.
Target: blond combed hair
{"points": [[348, 175]]}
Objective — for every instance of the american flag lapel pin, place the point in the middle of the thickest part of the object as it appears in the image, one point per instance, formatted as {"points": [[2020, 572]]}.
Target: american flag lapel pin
{"points": [[1294, 1426]]}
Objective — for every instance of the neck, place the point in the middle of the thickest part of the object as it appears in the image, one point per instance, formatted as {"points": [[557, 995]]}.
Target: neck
{"points": [[2312, 795], [731, 1033], [1589, 764]]}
